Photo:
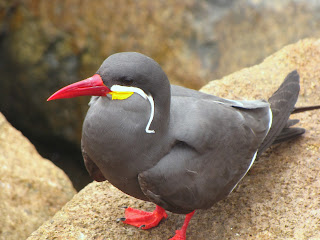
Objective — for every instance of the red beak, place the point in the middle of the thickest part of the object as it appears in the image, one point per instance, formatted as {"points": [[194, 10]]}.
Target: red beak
{"points": [[92, 86]]}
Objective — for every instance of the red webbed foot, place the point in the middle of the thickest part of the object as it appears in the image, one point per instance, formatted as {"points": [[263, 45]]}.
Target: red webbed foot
{"points": [[142, 219], [181, 234]]}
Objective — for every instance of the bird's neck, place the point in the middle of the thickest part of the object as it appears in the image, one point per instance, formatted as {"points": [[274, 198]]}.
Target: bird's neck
{"points": [[161, 114]]}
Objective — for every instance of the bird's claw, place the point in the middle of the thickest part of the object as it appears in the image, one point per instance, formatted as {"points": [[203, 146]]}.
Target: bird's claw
{"points": [[121, 219]]}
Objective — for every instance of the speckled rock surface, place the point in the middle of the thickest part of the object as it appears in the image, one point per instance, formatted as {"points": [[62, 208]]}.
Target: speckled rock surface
{"points": [[278, 199], [32, 189]]}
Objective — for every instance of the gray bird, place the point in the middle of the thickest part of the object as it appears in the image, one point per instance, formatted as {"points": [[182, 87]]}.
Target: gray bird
{"points": [[179, 148]]}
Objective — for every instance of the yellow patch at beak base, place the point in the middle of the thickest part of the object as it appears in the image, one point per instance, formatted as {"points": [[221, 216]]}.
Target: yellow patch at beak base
{"points": [[120, 95]]}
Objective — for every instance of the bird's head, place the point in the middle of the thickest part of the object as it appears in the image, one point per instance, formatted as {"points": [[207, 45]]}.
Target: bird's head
{"points": [[121, 75]]}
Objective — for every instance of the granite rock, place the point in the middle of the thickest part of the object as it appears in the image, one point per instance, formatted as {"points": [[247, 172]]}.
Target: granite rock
{"points": [[32, 189]]}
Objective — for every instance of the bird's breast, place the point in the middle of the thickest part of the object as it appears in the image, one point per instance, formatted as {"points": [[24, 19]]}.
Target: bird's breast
{"points": [[114, 137]]}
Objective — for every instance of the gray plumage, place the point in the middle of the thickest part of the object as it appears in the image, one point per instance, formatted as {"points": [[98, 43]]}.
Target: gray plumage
{"points": [[202, 146]]}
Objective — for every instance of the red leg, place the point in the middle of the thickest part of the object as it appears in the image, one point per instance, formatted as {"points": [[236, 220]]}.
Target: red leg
{"points": [[144, 220], [181, 234]]}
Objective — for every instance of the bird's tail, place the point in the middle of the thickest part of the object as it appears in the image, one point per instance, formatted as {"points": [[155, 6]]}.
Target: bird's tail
{"points": [[282, 105], [304, 109], [288, 132]]}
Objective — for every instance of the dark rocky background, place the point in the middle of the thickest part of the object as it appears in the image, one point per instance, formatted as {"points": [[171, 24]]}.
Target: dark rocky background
{"points": [[45, 45]]}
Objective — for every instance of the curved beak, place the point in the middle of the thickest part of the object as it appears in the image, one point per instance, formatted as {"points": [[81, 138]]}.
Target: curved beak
{"points": [[92, 86]]}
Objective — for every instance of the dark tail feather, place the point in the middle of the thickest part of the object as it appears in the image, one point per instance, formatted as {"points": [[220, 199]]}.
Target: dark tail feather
{"points": [[304, 109], [288, 132], [282, 104]]}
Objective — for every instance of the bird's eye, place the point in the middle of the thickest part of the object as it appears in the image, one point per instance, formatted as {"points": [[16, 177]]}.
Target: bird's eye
{"points": [[126, 80]]}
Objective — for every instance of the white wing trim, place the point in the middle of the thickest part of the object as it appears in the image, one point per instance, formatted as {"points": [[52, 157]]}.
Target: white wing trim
{"points": [[270, 119], [252, 161]]}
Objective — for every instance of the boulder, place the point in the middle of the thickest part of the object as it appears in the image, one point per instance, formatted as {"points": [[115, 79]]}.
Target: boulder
{"points": [[32, 189], [279, 197], [240, 33]]}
